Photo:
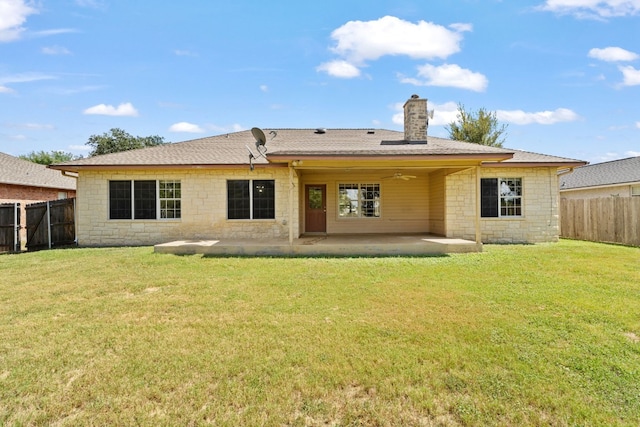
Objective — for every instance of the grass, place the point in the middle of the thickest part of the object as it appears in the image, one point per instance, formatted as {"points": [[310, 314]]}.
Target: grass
{"points": [[517, 335]]}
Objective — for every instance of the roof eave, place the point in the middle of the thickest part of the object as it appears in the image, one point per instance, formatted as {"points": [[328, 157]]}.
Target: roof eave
{"points": [[78, 168], [532, 164], [284, 157]]}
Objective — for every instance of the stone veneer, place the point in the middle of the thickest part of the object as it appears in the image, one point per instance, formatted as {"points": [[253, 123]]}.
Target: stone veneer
{"points": [[204, 208], [539, 222], [415, 119]]}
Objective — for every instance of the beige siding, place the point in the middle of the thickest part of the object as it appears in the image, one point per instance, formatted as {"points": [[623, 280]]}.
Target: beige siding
{"points": [[204, 209], [404, 204], [437, 203], [539, 222]]}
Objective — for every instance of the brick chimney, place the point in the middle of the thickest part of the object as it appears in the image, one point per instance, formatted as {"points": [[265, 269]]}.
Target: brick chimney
{"points": [[415, 120]]}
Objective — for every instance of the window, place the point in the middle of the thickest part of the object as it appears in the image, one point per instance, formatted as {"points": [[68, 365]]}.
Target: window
{"points": [[144, 199], [500, 197], [251, 199], [359, 200], [635, 190], [169, 194]]}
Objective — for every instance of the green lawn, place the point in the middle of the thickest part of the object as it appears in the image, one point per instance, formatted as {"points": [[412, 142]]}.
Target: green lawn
{"points": [[517, 335]]}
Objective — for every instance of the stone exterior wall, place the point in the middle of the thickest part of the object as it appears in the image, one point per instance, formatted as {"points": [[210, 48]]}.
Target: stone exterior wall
{"points": [[415, 119], [540, 217], [204, 208]]}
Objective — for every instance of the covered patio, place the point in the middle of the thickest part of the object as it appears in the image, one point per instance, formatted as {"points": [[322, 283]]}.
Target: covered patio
{"points": [[325, 245]]}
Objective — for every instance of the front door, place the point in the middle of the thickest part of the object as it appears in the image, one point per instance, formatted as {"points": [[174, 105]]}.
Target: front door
{"points": [[315, 208]]}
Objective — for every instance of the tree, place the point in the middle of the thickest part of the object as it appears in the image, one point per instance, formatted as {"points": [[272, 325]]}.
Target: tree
{"points": [[481, 127], [117, 140], [48, 158]]}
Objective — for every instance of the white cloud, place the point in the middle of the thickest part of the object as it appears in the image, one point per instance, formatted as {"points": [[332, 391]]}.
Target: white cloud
{"points": [[33, 126], [448, 75], [24, 78], [339, 68], [185, 127], [55, 50], [520, 117], [632, 153], [225, 129], [13, 14], [357, 42], [631, 76], [95, 4], [638, 125], [264, 88], [80, 147], [126, 109], [53, 32], [443, 114], [180, 52], [461, 27], [613, 54], [593, 9], [21, 78]]}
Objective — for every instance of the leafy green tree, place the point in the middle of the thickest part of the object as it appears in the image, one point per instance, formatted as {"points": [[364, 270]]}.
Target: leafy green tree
{"points": [[48, 158], [479, 127], [117, 140]]}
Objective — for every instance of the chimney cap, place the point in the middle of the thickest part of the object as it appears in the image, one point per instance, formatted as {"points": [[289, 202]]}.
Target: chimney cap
{"points": [[414, 96]]}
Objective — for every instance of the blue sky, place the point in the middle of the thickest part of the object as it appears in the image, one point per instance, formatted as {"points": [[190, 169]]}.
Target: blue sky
{"points": [[564, 75]]}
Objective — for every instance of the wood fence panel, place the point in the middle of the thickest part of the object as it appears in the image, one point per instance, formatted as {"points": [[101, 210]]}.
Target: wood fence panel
{"points": [[63, 229], [50, 224], [9, 227], [37, 226], [608, 219]]}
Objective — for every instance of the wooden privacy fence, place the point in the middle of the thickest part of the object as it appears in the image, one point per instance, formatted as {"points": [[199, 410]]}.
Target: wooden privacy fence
{"points": [[51, 224], [610, 219], [9, 227]]}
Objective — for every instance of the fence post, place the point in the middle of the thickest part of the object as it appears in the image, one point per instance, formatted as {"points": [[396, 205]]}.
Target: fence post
{"points": [[75, 223], [49, 223], [16, 227]]}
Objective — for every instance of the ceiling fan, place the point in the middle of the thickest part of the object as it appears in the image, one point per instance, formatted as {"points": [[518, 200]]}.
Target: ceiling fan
{"points": [[400, 175]]}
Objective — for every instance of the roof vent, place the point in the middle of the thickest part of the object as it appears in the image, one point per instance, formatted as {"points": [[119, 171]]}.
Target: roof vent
{"points": [[371, 132], [321, 130]]}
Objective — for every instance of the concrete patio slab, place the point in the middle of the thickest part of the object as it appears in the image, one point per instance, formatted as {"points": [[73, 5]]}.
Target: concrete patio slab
{"points": [[325, 245]]}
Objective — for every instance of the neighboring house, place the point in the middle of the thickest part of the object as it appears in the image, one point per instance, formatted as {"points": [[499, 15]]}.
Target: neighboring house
{"points": [[26, 182], [617, 178], [318, 181]]}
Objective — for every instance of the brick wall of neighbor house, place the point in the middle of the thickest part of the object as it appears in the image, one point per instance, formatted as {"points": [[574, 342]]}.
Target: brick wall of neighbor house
{"points": [[614, 190], [204, 208], [539, 222], [26, 195]]}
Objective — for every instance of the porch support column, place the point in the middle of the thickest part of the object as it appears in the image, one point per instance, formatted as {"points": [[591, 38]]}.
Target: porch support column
{"points": [[478, 200], [291, 193]]}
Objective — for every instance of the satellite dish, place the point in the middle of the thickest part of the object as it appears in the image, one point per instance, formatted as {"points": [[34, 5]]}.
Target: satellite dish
{"points": [[258, 134]]}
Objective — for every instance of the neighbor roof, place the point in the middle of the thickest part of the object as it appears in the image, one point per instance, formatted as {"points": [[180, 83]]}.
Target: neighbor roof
{"points": [[282, 144], [16, 171], [615, 172]]}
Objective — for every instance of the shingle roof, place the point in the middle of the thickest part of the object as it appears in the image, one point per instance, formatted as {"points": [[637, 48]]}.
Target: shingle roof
{"points": [[16, 171], [602, 174], [233, 148]]}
